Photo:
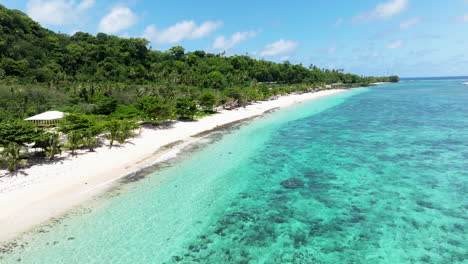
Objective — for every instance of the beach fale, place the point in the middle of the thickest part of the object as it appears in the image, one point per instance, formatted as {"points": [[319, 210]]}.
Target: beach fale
{"points": [[49, 118]]}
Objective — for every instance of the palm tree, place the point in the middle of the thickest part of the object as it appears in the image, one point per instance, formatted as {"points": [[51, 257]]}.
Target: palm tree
{"points": [[120, 131], [90, 140], [13, 155], [53, 146], [126, 130], [114, 131], [74, 141]]}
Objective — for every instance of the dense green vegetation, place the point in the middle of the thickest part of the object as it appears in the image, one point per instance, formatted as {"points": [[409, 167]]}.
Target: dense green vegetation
{"points": [[105, 81], [42, 70], [80, 131]]}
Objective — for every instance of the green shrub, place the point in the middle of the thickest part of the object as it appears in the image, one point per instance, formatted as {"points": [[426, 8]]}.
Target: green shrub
{"points": [[126, 112], [19, 132], [186, 108], [13, 155]]}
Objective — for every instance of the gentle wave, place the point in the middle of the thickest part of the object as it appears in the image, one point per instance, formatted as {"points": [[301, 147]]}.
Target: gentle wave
{"points": [[465, 83]]}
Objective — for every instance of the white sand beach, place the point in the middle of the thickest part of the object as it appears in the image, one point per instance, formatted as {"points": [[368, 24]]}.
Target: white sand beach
{"points": [[40, 192]]}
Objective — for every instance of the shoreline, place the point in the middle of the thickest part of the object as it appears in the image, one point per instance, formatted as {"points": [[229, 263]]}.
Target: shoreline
{"points": [[38, 193]]}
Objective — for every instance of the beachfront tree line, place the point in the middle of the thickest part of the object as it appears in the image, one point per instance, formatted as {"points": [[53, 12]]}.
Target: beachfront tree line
{"points": [[114, 82]]}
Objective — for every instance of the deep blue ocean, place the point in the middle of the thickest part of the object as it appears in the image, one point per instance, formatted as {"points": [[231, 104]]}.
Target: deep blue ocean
{"points": [[448, 78], [372, 175]]}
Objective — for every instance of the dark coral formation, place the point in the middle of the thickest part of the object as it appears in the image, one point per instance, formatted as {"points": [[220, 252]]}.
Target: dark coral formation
{"points": [[292, 183]]}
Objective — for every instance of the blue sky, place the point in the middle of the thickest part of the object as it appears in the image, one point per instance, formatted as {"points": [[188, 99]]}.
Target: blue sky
{"points": [[370, 37]]}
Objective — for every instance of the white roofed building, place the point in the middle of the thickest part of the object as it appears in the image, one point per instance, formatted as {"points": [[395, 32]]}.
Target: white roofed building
{"points": [[49, 118]]}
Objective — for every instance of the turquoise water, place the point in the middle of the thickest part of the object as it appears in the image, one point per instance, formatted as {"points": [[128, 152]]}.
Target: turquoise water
{"points": [[376, 175]]}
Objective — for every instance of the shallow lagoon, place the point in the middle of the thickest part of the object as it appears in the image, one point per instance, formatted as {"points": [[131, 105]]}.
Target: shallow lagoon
{"points": [[383, 176]]}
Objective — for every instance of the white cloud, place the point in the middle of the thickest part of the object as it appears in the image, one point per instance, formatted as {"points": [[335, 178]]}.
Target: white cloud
{"points": [[119, 18], [463, 18], [382, 11], [390, 8], [86, 4], [338, 22], [57, 12], [222, 43], [279, 47], [332, 49], [205, 29], [180, 31], [285, 58], [409, 23], [395, 45]]}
